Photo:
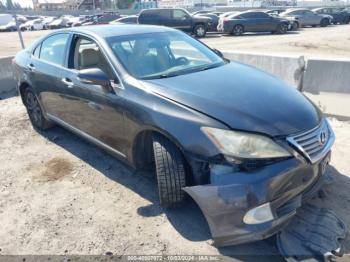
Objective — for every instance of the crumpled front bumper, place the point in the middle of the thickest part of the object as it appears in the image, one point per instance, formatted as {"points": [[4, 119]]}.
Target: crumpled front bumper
{"points": [[225, 201]]}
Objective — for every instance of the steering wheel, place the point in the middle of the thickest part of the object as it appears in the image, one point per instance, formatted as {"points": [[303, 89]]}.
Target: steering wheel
{"points": [[182, 61]]}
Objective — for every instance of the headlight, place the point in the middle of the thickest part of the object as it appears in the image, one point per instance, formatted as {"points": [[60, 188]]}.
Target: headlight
{"points": [[244, 145]]}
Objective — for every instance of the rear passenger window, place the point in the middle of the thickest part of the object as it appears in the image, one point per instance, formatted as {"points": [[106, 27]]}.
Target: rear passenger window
{"points": [[53, 49]]}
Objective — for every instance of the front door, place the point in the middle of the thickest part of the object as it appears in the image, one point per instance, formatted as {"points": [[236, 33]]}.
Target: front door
{"points": [[93, 110], [181, 20]]}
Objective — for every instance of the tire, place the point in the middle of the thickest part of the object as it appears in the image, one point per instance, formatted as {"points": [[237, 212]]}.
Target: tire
{"points": [[237, 30], [324, 22], [34, 111], [295, 26], [347, 20], [282, 28], [199, 31], [170, 171]]}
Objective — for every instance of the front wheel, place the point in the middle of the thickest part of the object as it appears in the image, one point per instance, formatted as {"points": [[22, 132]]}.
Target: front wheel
{"points": [[282, 28], [35, 112], [170, 170], [200, 31], [237, 30]]}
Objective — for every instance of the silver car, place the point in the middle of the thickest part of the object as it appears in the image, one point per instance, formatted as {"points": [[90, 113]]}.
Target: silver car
{"points": [[306, 17]]}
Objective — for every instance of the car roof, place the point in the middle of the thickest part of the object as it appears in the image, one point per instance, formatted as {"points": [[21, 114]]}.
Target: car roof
{"points": [[106, 31]]}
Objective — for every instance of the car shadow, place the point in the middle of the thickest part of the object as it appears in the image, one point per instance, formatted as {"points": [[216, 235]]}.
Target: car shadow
{"points": [[188, 219], [261, 34]]}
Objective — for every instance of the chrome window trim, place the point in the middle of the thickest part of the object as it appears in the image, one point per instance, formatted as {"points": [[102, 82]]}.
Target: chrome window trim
{"points": [[331, 138], [84, 135]]}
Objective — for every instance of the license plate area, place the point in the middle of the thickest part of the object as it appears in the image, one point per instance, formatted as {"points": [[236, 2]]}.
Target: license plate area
{"points": [[322, 166]]}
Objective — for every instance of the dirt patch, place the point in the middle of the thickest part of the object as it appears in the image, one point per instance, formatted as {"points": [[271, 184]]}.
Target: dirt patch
{"points": [[54, 169]]}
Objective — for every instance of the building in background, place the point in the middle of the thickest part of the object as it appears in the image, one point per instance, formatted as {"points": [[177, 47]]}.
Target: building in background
{"points": [[54, 5]]}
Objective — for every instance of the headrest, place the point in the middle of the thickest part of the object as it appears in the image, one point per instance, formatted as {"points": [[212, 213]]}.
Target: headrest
{"points": [[89, 58]]}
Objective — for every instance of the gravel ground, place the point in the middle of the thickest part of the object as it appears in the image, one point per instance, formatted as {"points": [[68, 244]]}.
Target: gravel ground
{"points": [[329, 42], [61, 195]]}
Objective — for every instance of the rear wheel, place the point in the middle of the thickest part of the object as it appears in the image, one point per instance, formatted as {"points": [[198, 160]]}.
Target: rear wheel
{"points": [[170, 170], [347, 20], [324, 22], [282, 28], [200, 31], [237, 30], [34, 110]]}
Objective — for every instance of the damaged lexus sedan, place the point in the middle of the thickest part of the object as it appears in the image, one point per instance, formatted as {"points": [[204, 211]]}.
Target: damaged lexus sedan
{"points": [[245, 146]]}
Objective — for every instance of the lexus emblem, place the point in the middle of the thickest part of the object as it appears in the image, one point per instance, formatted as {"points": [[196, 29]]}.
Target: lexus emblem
{"points": [[322, 137]]}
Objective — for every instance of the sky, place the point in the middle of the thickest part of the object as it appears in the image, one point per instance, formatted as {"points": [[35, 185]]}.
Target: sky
{"points": [[23, 3]]}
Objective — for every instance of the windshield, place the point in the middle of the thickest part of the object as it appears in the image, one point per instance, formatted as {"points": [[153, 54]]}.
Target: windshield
{"points": [[165, 54]]}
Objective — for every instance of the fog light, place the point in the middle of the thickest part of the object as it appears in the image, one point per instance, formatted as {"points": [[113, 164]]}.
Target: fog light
{"points": [[258, 215]]}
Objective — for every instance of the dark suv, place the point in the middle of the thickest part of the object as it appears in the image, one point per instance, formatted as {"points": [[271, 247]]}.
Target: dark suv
{"points": [[176, 18]]}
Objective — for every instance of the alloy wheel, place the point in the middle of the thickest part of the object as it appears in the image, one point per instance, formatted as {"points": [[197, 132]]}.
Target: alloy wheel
{"points": [[200, 31], [33, 108]]}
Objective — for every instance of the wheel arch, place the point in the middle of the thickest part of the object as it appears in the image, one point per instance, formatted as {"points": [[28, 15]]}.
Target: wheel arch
{"points": [[143, 142], [143, 146]]}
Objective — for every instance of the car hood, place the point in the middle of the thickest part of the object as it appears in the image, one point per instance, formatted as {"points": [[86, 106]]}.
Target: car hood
{"points": [[198, 18], [242, 97]]}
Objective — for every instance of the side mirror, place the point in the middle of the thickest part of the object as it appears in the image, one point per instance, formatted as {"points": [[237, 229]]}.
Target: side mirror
{"points": [[95, 76]]}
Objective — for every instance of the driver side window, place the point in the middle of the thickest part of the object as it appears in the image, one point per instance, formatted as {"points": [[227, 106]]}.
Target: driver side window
{"points": [[87, 54]]}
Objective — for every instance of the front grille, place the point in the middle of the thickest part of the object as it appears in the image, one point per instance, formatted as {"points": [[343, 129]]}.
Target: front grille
{"points": [[314, 144]]}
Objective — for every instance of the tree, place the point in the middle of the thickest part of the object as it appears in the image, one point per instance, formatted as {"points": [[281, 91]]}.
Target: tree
{"points": [[9, 4], [2, 6]]}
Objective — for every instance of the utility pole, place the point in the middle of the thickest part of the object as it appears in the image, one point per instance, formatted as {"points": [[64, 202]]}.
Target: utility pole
{"points": [[10, 6]]}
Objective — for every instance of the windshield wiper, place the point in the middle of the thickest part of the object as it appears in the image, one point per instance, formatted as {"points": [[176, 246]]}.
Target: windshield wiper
{"points": [[207, 67], [160, 76]]}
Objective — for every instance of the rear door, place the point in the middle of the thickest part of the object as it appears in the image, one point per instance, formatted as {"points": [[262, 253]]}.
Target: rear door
{"points": [[249, 22], [89, 108], [46, 67], [311, 18]]}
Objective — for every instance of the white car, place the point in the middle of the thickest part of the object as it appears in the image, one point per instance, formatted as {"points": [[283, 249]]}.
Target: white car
{"points": [[36, 24]]}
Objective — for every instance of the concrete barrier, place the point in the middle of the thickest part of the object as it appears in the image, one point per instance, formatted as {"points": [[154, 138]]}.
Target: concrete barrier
{"points": [[7, 83], [327, 76], [288, 68], [327, 83]]}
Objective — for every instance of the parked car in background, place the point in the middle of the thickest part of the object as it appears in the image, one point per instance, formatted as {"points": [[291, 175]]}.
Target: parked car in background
{"points": [[274, 11], [177, 18], [5, 19], [244, 145], [58, 23], [214, 21], [102, 19], [37, 24], [306, 17], [9, 27], [253, 21], [130, 19], [293, 23], [340, 15]]}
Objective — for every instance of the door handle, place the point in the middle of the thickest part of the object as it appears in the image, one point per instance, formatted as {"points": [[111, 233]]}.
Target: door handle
{"points": [[66, 81], [94, 105], [31, 67]]}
